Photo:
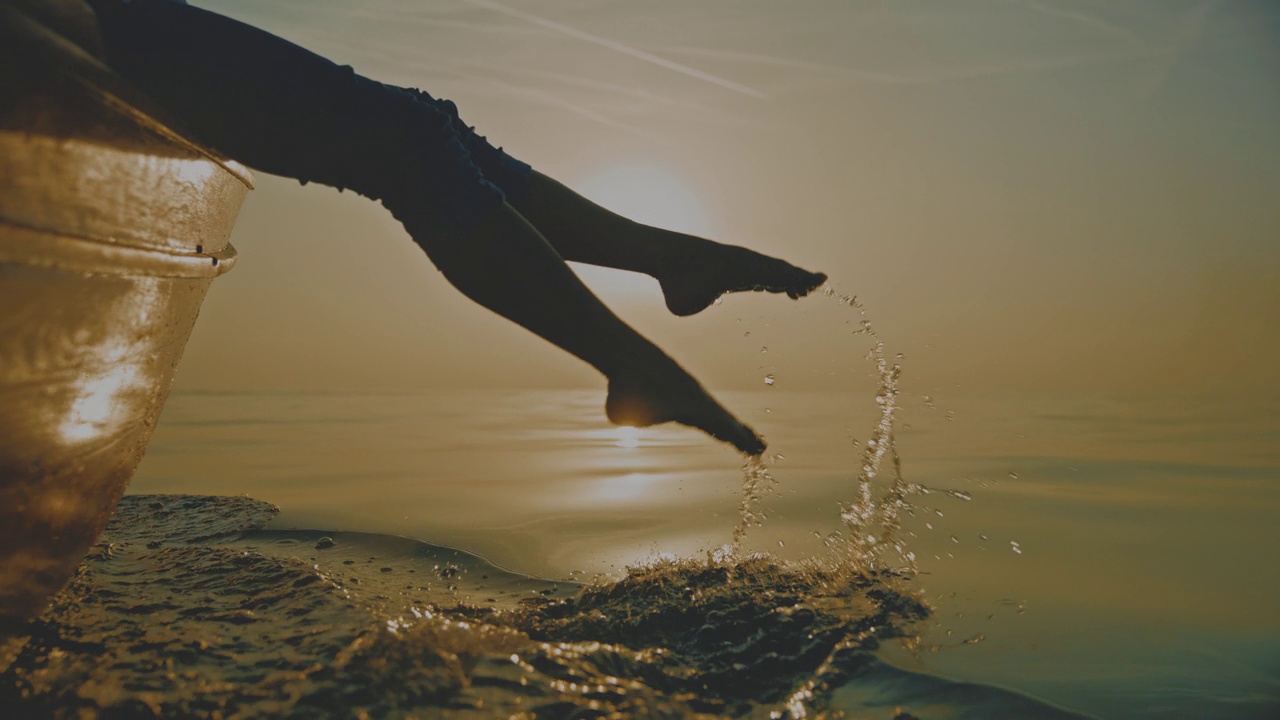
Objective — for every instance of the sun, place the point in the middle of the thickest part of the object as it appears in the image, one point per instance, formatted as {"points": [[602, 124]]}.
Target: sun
{"points": [[649, 195]]}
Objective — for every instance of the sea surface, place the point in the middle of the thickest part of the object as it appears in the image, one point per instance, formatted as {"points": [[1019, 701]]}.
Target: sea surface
{"points": [[1111, 557]]}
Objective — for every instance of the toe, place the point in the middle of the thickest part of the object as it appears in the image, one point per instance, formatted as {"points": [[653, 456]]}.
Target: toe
{"points": [[805, 283], [813, 281], [750, 443]]}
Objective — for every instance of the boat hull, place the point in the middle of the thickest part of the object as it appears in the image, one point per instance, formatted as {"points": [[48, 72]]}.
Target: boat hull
{"points": [[112, 227]]}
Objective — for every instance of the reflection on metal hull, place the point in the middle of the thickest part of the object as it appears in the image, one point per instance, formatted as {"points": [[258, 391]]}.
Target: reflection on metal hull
{"points": [[112, 227]]}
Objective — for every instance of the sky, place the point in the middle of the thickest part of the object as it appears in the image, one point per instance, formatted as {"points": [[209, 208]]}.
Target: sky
{"points": [[1052, 197]]}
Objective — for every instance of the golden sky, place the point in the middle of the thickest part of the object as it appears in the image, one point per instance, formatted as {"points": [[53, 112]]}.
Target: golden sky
{"points": [[1033, 197]]}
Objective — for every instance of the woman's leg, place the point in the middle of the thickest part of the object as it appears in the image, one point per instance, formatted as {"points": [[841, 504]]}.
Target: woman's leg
{"points": [[505, 265], [285, 110], [280, 108], [692, 271]]}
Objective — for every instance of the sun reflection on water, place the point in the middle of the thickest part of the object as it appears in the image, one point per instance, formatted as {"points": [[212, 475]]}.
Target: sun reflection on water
{"points": [[660, 439], [629, 487], [627, 436]]}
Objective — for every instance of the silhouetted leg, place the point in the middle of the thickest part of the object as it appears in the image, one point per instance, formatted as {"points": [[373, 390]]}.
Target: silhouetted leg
{"points": [[504, 264], [283, 109], [692, 271]]}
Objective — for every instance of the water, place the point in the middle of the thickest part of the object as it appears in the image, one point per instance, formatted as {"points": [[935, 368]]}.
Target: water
{"points": [[1112, 556], [189, 607], [873, 523]]}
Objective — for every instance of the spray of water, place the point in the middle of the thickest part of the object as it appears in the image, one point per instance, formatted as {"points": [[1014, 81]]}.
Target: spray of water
{"points": [[872, 522], [871, 539], [756, 483]]}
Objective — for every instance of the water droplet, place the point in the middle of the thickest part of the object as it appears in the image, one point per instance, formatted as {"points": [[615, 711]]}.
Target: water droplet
{"points": [[719, 301], [768, 379], [764, 349], [781, 544], [746, 334], [1013, 476]]}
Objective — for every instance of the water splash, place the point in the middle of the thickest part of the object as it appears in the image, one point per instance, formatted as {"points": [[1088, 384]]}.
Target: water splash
{"points": [[756, 483], [873, 523]]}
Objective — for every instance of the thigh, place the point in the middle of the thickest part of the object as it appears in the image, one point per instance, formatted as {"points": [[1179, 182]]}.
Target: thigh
{"points": [[240, 89], [283, 109]]}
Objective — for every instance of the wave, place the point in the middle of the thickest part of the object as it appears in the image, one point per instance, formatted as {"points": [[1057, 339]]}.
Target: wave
{"points": [[190, 606]]}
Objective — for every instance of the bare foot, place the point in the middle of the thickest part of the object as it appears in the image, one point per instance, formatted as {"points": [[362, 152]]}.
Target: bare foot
{"points": [[691, 283], [666, 393]]}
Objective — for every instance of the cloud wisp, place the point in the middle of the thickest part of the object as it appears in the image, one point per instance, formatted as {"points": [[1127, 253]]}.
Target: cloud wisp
{"points": [[620, 48]]}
